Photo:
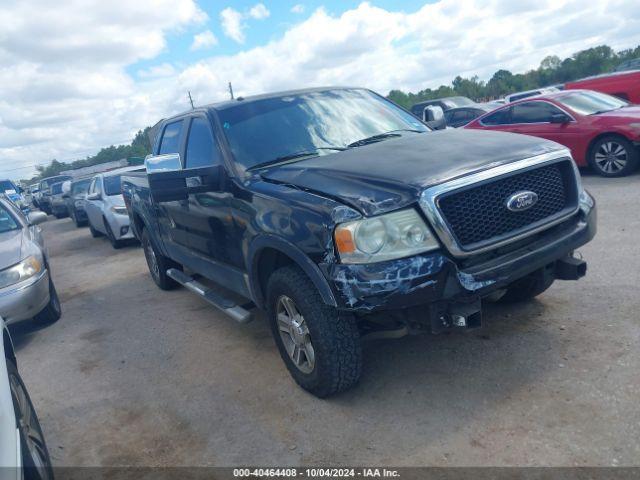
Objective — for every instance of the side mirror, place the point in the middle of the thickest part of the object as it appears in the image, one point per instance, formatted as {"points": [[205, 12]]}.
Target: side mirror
{"points": [[93, 196], [36, 218], [560, 118], [433, 116], [162, 163]]}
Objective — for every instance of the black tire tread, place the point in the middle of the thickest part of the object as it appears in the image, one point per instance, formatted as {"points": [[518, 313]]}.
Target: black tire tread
{"points": [[49, 314], [164, 282], [332, 333], [29, 470], [527, 288]]}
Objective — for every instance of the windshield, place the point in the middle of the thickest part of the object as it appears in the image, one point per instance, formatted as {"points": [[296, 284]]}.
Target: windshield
{"points": [[588, 103], [7, 221], [80, 187], [112, 185], [263, 130], [50, 181], [6, 185]]}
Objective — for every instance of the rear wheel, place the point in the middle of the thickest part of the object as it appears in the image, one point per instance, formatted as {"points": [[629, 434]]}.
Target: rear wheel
{"points": [[613, 156], [158, 264], [320, 347], [35, 455], [53, 311]]}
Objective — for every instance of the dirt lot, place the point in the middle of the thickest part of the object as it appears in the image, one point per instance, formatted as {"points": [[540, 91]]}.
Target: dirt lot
{"points": [[132, 375]]}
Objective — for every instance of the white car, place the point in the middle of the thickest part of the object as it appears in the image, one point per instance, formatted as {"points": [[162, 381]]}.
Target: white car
{"points": [[23, 451], [529, 93], [105, 207]]}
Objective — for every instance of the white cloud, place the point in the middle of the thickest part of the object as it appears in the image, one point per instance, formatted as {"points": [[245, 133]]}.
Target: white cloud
{"points": [[259, 12], [298, 8], [232, 24], [65, 91], [204, 39], [233, 21]]}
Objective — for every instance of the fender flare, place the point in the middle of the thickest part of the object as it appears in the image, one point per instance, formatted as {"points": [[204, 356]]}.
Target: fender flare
{"points": [[288, 249]]}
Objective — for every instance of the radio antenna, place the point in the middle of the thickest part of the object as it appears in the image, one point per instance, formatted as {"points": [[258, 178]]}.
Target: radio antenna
{"points": [[190, 100], [231, 90]]}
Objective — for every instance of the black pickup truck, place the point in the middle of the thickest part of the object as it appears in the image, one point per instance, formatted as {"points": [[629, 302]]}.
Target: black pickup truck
{"points": [[343, 216]]}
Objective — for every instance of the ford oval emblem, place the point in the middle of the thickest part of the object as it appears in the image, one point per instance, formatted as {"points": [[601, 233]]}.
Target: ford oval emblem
{"points": [[521, 201]]}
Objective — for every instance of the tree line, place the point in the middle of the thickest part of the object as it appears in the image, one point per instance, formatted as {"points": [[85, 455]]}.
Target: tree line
{"points": [[139, 147], [552, 70]]}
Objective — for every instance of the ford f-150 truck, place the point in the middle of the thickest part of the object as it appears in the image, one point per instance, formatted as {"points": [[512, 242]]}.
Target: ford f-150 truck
{"points": [[343, 216]]}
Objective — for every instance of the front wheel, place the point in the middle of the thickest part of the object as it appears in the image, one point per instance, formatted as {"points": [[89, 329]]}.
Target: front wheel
{"points": [[115, 243], [53, 311], [35, 455], [158, 264], [320, 347], [613, 156], [94, 233]]}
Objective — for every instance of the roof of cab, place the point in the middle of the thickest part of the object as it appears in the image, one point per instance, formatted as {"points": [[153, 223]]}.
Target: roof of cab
{"points": [[253, 98]]}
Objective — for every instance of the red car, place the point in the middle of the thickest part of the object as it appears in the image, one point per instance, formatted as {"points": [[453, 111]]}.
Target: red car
{"points": [[625, 85], [601, 131]]}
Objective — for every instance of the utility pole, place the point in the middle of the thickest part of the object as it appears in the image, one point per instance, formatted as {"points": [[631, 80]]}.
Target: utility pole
{"points": [[190, 99], [231, 90]]}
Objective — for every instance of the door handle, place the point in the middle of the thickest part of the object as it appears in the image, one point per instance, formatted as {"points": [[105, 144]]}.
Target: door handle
{"points": [[192, 182]]}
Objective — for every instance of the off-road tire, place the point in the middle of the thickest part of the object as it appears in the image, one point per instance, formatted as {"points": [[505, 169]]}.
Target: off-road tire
{"points": [[335, 337], [528, 287], [632, 156], [53, 311], [159, 276]]}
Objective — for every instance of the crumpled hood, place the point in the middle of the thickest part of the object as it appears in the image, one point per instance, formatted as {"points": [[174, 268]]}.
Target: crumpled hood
{"points": [[11, 247], [388, 175]]}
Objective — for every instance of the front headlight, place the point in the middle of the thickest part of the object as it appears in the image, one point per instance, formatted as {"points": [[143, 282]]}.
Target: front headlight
{"points": [[119, 210], [394, 235], [24, 270], [79, 203]]}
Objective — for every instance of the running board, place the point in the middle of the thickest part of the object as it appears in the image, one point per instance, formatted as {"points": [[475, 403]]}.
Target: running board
{"points": [[227, 306]]}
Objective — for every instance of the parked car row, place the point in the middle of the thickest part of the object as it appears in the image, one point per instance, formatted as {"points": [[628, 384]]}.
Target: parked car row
{"points": [[601, 130]]}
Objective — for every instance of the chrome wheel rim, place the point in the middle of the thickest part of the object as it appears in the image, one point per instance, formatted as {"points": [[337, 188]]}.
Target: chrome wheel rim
{"points": [[611, 157], [152, 261], [295, 334], [29, 428]]}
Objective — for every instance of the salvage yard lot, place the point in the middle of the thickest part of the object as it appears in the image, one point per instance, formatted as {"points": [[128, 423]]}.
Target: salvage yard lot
{"points": [[132, 375]]}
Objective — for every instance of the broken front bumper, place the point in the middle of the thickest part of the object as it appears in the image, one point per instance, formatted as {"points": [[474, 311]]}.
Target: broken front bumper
{"points": [[438, 279]]}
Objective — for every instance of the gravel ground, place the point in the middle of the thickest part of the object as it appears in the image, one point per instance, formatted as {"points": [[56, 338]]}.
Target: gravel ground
{"points": [[132, 375]]}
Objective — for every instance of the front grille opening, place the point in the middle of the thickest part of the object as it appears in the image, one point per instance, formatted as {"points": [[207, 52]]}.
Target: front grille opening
{"points": [[478, 215]]}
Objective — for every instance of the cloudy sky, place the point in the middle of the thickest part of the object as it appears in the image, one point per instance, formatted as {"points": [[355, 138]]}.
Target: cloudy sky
{"points": [[77, 75]]}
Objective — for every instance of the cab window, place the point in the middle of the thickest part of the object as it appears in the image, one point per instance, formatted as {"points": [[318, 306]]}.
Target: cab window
{"points": [[171, 138], [201, 150]]}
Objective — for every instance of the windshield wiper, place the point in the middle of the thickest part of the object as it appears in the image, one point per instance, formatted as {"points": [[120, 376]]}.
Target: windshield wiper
{"points": [[292, 156], [382, 136]]}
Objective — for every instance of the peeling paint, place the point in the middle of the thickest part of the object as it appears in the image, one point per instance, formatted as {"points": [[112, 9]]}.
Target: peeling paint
{"points": [[470, 283], [342, 213], [368, 286]]}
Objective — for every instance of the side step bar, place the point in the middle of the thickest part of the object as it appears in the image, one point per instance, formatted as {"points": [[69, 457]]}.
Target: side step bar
{"points": [[227, 306]]}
